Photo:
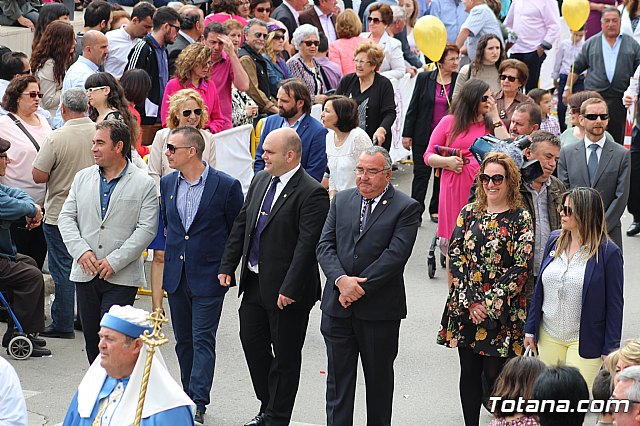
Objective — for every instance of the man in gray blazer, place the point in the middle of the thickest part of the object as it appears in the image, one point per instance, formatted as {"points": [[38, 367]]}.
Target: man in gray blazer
{"points": [[600, 163], [108, 219]]}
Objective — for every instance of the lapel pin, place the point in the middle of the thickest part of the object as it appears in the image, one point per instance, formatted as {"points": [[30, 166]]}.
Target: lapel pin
{"points": [[384, 202], [171, 197], [284, 195]]}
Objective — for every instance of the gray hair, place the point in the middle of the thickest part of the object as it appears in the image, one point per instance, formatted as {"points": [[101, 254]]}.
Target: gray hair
{"points": [[253, 23], [75, 100], [399, 14], [302, 32], [631, 374], [376, 149]]}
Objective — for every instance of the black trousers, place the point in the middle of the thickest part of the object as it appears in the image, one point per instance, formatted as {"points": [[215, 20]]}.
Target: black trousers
{"points": [[634, 192], [95, 298], [534, 62], [29, 242], [617, 116], [478, 373], [376, 342], [272, 341], [23, 278], [420, 183]]}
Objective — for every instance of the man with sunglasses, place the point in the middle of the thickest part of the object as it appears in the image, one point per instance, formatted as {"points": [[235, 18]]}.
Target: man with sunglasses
{"points": [[598, 162], [255, 65], [150, 54]]}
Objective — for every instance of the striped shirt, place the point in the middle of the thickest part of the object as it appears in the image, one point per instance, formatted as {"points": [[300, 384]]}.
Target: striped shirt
{"points": [[189, 196], [551, 125]]}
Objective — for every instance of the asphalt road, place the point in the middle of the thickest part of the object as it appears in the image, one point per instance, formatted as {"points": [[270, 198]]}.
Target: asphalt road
{"points": [[426, 390]]}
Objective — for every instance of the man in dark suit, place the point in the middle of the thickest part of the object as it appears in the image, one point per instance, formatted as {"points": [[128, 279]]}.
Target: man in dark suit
{"points": [[199, 205], [321, 16], [288, 13], [191, 29], [365, 245], [294, 111], [274, 240], [600, 163]]}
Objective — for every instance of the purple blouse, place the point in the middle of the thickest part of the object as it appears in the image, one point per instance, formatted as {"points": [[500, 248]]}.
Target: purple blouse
{"points": [[441, 106]]}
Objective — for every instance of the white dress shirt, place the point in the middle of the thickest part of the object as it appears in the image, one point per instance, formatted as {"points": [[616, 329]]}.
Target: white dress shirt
{"points": [[600, 143], [327, 25], [120, 44]]}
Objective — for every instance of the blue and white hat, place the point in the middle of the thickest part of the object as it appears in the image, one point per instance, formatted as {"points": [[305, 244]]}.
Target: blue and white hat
{"points": [[127, 320]]}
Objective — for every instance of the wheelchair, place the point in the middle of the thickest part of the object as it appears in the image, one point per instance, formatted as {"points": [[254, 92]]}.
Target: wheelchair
{"points": [[19, 346]]}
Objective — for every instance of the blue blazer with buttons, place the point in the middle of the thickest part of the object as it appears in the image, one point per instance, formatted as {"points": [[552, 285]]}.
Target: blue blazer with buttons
{"points": [[602, 300], [199, 250], [314, 144]]}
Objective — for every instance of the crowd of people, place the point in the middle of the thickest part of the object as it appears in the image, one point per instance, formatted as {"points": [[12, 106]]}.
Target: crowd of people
{"points": [[108, 150]]}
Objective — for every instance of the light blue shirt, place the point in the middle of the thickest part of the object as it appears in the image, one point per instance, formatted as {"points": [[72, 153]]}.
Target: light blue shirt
{"points": [[610, 56], [295, 125], [188, 197], [452, 15], [76, 76]]}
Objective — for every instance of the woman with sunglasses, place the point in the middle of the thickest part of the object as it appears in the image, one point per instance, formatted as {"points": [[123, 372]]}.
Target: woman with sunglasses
{"points": [[473, 114], [51, 59], [261, 9], [192, 72], [575, 316], [274, 51], [489, 56], [491, 252], [575, 133], [348, 30], [303, 64], [513, 76], [380, 17], [186, 109], [25, 129]]}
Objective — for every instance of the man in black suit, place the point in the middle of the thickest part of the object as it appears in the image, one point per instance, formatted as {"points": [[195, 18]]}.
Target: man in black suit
{"points": [[365, 245], [191, 29], [274, 239], [288, 13]]}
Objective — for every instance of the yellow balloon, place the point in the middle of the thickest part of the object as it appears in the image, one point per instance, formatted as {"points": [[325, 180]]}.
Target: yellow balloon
{"points": [[575, 13], [431, 37]]}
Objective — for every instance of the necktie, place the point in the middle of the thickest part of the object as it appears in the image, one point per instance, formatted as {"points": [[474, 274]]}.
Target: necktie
{"points": [[262, 221], [366, 212], [592, 164]]}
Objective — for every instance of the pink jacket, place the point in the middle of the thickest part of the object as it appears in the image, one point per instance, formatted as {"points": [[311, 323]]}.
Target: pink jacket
{"points": [[341, 53], [209, 95]]}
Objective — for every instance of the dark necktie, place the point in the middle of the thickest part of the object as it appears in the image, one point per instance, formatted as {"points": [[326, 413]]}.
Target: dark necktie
{"points": [[254, 251], [365, 212], [592, 164]]}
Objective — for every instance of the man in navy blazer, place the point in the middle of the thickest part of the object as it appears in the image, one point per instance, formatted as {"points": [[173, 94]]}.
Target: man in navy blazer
{"points": [[365, 244], [199, 205], [294, 110]]}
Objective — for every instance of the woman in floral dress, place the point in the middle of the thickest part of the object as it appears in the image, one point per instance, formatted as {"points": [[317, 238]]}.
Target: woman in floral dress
{"points": [[490, 254]]}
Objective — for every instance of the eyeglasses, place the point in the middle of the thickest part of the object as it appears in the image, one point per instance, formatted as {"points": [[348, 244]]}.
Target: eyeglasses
{"points": [[485, 98], [172, 148], [485, 178], [278, 37], [175, 27], [261, 35], [593, 117], [33, 94], [370, 172], [310, 43], [373, 20], [359, 62], [567, 211], [187, 112], [263, 9], [93, 89], [511, 78]]}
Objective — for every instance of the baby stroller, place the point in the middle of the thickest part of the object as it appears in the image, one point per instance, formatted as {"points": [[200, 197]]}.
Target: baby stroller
{"points": [[19, 347]]}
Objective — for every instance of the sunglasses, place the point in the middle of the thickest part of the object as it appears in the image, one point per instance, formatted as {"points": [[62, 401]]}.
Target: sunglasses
{"points": [[172, 148], [374, 20], [485, 98], [485, 178], [593, 117], [33, 94], [278, 37], [310, 43], [511, 78], [175, 27], [567, 211], [94, 89], [263, 9], [187, 112], [261, 35]]}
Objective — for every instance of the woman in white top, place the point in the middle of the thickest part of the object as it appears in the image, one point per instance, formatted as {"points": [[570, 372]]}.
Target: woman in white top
{"points": [[186, 108], [575, 317], [630, 18], [345, 141], [380, 17]]}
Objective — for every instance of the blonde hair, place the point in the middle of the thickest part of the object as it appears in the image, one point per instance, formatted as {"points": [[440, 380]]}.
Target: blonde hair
{"points": [[588, 212], [348, 24], [611, 361], [175, 105], [268, 47], [629, 353], [193, 55], [233, 24], [511, 179]]}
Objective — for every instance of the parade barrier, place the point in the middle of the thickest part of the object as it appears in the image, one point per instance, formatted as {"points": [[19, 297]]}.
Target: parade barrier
{"points": [[233, 154]]}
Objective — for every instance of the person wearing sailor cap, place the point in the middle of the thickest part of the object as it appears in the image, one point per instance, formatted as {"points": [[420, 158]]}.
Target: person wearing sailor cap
{"points": [[108, 393]]}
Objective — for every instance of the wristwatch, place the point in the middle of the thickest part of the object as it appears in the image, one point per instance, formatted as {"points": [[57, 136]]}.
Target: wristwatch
{"points": [[497, 124]]}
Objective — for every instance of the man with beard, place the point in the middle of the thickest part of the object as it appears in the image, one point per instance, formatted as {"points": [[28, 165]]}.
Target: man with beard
{"points": [[150, 54], [607, 165], [294, 111]]}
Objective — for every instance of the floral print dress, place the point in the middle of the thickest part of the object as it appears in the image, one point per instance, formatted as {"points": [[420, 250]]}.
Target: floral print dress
{"points": [[490, 257]]}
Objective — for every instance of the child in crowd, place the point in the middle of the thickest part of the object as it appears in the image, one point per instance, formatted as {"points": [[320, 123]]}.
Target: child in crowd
{"points": [[567, 52], [543, 99], [601, 390]]}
